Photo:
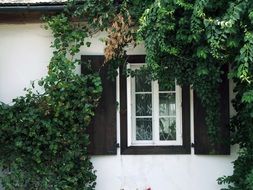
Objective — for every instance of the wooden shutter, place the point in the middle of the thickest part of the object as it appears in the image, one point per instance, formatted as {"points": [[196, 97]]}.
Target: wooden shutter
{"points": [[201, 140], [103, 126]]}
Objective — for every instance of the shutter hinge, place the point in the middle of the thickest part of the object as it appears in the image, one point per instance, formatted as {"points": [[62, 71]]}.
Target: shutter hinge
{"points": [[193, 145], [117, 145]]}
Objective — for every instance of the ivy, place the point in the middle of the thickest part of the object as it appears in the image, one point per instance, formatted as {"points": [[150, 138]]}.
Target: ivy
{"points": [[43, 135], [174, 51]]}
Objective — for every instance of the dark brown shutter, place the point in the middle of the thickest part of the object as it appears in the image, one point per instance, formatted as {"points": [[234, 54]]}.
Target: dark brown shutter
{"points": [[201, 140], [103, 126]]}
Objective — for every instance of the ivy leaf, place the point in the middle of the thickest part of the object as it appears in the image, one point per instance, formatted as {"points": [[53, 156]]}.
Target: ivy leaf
{"points": [[88, 44], [201, 71], [247, 97], [202, 52], [40, 83]]}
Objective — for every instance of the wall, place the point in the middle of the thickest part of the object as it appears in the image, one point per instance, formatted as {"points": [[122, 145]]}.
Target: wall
{"points": [[24, 55]]}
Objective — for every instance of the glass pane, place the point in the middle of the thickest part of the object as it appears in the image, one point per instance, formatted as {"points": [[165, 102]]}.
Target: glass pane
{"points": [[167, 86], [143, 128], [167, 129], [167, 104], [142, 83], [143, 104]]}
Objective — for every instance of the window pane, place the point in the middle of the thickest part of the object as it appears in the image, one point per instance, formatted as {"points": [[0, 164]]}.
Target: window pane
{"points": [[167, 104], [143, 128], [167, 129], [143, 104], [142, 83]]}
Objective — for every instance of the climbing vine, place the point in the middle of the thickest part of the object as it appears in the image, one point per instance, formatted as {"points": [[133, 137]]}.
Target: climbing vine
{"points": [[186, 40], [43, 134]]}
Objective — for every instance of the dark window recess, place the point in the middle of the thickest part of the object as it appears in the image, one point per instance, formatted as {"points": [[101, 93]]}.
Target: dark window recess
{"points": [[103, 126], [201, 140], [182, 149]]}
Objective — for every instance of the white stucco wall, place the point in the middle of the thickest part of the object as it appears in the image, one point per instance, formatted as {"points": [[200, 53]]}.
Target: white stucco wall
{"points": [[24, 55]]}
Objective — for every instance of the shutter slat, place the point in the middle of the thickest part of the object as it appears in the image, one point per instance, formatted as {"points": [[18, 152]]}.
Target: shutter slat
{"points": [[102, 130], [202, 143]]}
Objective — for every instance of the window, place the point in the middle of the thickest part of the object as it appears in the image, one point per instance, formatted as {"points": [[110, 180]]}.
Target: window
{"points": [[153, 120], [154, 114]]}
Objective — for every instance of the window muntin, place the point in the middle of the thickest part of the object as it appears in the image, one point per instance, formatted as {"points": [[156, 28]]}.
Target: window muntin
{"points": [[154, 114]]}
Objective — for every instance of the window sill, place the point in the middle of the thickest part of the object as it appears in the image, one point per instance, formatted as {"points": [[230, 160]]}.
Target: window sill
{"points": [[144, 150]]}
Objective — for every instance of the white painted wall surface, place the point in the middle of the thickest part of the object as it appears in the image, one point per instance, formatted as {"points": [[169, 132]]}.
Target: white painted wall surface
{"points": [[24, 55]]}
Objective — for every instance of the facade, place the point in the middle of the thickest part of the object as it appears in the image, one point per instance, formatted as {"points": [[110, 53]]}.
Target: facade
{"points": [[129, 157]]}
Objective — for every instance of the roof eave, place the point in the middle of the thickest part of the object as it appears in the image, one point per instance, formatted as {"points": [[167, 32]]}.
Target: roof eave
{"points": [[31, 8]]}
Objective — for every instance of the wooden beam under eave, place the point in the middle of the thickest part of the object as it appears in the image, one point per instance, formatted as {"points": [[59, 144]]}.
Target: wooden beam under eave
{"points": [[23, 17]]}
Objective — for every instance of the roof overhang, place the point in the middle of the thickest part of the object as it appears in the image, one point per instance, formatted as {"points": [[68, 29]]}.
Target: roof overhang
{"points": [[31, 8], [28, 12]]}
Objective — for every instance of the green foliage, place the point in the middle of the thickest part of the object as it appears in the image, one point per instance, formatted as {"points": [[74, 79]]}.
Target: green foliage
{"points": [[44, 144], [191, 41], [43, 135], [177, 48]]}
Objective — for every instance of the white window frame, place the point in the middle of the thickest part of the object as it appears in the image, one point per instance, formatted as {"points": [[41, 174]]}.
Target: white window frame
{"points": [[131, 120]]}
